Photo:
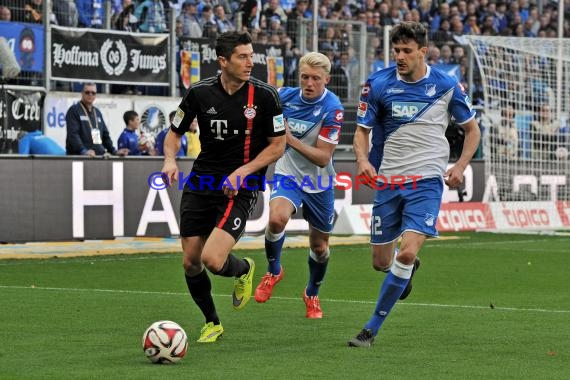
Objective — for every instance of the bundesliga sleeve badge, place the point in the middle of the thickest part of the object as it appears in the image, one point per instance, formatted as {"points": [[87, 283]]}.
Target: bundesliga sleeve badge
{"points": [[178, 118], [362, 108], [278, 123], [339, 116]]}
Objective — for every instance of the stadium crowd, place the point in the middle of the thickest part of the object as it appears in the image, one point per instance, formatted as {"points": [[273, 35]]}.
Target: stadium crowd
{"points": [[276, 22], [269, 18]]}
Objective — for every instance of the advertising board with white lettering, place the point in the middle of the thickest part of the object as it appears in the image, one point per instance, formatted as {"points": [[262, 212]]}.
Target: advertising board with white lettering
{"points": [[107, 198], [23, 110], [79, 55]]}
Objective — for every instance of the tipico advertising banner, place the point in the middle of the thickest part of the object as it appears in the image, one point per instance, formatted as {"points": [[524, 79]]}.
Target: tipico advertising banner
{"points": [[80, 55]]}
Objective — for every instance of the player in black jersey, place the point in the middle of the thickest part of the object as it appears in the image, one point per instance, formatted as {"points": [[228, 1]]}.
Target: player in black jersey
{"points": [[241, 132]]}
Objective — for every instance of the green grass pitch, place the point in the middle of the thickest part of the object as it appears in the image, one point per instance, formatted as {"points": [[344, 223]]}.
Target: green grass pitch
{"points": [[484, 306]]}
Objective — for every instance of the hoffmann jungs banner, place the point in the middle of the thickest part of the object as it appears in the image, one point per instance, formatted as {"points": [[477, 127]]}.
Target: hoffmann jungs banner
{"points": [[82, 55]]}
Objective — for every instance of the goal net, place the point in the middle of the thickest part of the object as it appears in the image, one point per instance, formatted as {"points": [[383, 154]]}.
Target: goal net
{"points": [[526, 124]]}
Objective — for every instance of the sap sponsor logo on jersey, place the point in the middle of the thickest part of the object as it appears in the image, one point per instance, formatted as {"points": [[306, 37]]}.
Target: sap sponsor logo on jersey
{"points": [[278, 123], [406, 110], [362, 108], [298, 127]]}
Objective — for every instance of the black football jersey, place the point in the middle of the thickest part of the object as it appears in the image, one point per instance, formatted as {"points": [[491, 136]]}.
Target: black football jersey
{"points": [[235, 128]]}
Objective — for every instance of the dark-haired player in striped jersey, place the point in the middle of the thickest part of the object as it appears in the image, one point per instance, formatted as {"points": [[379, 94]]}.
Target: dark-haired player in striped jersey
{"points": [[241, 133], [407, 108]]}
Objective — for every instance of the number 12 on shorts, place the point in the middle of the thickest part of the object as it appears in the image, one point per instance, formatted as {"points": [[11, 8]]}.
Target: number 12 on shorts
{"points": [[376, 225]]}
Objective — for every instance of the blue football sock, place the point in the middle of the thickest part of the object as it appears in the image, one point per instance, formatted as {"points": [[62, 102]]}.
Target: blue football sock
{"points": [[317, 270], [392, 287], [273, 246]]}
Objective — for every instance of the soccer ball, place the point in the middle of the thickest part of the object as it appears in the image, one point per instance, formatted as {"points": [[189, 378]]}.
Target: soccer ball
{"points": [[164, 342]]}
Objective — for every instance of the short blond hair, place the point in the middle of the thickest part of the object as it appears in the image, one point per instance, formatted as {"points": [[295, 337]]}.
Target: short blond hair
{"points": [[315, 59]]}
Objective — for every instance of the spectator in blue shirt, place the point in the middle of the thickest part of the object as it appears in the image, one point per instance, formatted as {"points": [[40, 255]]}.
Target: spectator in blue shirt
{"points": [[222, 21], [442, 14], [90, 13], [151, 16], [130, 139]]}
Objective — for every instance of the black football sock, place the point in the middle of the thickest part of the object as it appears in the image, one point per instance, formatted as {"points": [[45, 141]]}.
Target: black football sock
{"points": [[233, 267], [200, 289]]}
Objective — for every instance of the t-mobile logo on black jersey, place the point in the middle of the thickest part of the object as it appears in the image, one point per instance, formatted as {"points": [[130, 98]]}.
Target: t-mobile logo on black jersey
{"points": [[220, 129]]}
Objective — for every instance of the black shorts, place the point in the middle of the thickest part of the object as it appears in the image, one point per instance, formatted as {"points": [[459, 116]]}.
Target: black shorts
{"points": [[202, 210]]}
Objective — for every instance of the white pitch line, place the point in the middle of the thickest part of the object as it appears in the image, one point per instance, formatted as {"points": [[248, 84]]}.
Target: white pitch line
{"points": [[504, 249], [434, 243], [88, 259], [463, 243], [435, 305]]}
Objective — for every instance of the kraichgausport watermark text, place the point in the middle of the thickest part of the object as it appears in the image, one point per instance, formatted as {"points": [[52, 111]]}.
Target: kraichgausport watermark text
{"points": [[340, 181]]}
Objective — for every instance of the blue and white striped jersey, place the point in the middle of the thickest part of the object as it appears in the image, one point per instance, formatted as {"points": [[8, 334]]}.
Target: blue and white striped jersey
{"points": [[321, 118], [408, 121]]}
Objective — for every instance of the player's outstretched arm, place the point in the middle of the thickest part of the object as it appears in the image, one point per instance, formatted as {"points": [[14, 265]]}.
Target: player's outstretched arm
{"points": [[454, 175], [171, 147], [361, 147], [270, 154], [320, 154]]}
